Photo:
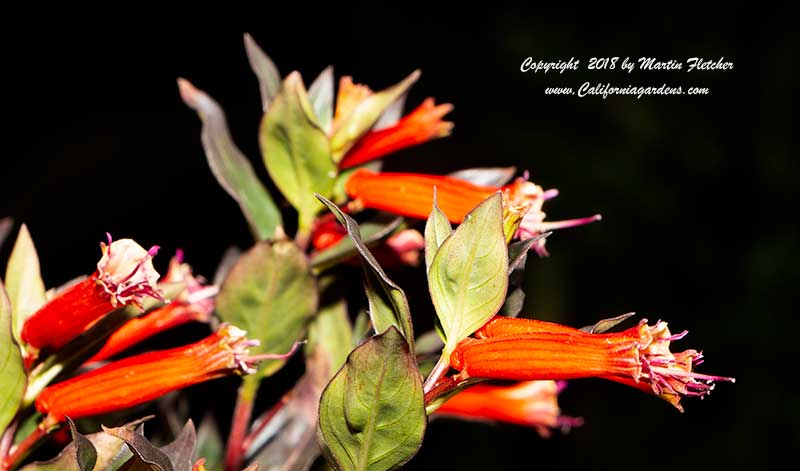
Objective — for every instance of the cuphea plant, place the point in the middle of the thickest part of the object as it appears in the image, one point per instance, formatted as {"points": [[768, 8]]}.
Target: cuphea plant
{"points": [[370, 383]]}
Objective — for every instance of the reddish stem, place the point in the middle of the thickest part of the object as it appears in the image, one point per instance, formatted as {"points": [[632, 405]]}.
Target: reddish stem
{"points": [[25, 447], [241, 422]]}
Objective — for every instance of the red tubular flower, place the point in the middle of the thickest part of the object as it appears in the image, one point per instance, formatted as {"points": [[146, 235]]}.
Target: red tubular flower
{"points": [[194, 303], [125, 275], [523, 349], [411, 195], [327, 232], [421, 125], [145, 377], [528, 403]]}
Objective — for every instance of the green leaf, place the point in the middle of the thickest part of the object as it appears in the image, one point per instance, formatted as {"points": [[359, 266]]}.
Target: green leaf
{"points": [[606, 324], [320, 94], [372, 414], [486, 176], [181, 450], [23, 281], [468, 278], [372, 233], [85, 453], [271, 294], [365, 115], [437, 229], [12, 371], [296, 150], [388, 305], [331, 332], [392, 114], [142, 448], [269, 79], [230, 167]]}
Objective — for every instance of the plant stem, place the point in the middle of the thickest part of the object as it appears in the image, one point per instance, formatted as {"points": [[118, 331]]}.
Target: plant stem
{"points": [[241, 421], [442, 365], [264, 421], [8, 438], [26, 446]]}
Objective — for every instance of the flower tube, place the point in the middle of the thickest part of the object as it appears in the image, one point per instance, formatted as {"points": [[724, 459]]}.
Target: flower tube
{"points": [[421, 125], [523, 350], [411, 195], [124, 276], [142, 378], [529, 403]]}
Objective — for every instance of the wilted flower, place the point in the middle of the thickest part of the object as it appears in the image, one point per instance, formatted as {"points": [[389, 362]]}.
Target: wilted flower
{"points": [[525, 349], [124, 276]]}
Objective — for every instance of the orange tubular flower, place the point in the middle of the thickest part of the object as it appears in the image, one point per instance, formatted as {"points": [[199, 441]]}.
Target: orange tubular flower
{"points": [[411, 195], [125, 275], [528, 403], [194, 303], [421, 125], [145, 377], [524, 349]]}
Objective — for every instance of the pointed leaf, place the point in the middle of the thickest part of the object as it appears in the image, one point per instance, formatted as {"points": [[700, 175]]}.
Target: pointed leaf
{"points": [[269, 79], [181, 450], [606, 324], [5, 227], [23, 281], [365, 115], [85, 453], [518, 252], [388, 305], [437, 229], [320, 94], [230, 167], [486, 176], [392, 114], [468, 278], [296, 150], [372, 233], [271, 294], [372, 414], [12, 371], [142, 448]]}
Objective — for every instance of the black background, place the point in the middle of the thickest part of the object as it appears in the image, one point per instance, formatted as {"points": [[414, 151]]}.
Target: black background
{"points": [[696, 191]]}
